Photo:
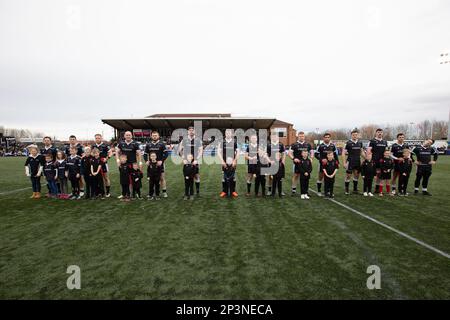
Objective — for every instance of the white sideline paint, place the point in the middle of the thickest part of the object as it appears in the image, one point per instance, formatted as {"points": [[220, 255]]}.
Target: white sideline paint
{"points": [[421, 243], [14, 191]]}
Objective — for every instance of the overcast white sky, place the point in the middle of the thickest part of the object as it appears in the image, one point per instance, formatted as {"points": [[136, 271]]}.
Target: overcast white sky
{"points": [[65, 64]]}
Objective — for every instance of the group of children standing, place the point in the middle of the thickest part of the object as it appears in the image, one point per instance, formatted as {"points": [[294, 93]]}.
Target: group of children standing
{"points": [[58, 172]]}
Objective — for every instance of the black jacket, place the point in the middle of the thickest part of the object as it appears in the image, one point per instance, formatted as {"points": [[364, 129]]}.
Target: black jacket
{"points": [[368, 169]]}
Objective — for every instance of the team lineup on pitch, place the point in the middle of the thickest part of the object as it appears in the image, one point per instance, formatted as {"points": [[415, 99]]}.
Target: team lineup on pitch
{"points": [[86, 167]]}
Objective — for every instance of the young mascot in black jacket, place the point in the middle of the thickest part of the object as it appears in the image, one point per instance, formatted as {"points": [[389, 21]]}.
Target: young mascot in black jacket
{"points": [[124, 170], [368, 171], [305, 167], [154, 173], [405, 168], [189, 171], [136, 178]]}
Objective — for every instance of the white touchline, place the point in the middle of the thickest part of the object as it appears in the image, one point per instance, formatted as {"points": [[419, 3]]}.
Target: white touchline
{"points": [[423, 244], [14, 191]]}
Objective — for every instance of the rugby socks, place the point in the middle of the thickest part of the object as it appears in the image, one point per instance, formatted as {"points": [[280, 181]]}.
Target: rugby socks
{"points": [[108, 189], [388, 188], [294, 190], [197, 187], [249, 187], [377, 188], [380, 188], [319, 186]]}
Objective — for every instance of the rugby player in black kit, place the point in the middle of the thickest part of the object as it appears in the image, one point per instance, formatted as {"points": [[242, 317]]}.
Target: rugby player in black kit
{"points": [[192, 145], [397, 154], [426, 157], [321, 154], [377, 146], [295, 153], [159, 148], [352, 161], [131, 149], [276, 149], [228, 149], [105, 154]]}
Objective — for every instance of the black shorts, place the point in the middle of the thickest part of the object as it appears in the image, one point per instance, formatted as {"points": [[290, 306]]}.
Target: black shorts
{"points": [[353, 167], [424, 170], [386, 175], [105, 167], [297, 168], [252, 168]]}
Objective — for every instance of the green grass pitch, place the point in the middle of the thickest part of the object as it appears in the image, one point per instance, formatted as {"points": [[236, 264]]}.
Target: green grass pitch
{"points": [[214, 248]]}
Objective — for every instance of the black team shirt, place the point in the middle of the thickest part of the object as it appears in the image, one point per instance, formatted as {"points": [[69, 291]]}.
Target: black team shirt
{"points": [[322, 150], [272, 149], [378, 148], [73, 166], [80, 150], [252, 151], [298, 147], [62, 165], [330, 166], [229, 149], [353, 149], [51, 150], [159, 148], [33, 163], [397, 150], [103, 148], [129, 149], [191, 146], [425, 154], [368, 169], [50, 171]]}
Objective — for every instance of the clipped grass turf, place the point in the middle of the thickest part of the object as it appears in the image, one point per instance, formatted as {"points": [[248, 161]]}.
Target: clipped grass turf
{"points": [[214, 248]]}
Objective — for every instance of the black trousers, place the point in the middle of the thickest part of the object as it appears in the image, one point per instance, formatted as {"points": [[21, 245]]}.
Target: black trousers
{"points": [[304, 184], [88, 190], [403, 183], [189, 187], [136, 190], [368, 181], [260, 181], [277, 184], [36, 183], [75, 184], [125, 190], [329, 185], [229, 186], [154, 187], [424, 174], [97, 186]]}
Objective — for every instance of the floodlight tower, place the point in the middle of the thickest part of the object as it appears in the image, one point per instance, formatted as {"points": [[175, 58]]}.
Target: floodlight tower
{"points": [[445, 57]]}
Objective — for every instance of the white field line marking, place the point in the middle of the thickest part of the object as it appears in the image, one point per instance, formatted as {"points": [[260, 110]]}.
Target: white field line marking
{"points": [[14, 191], [423, 244]]}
